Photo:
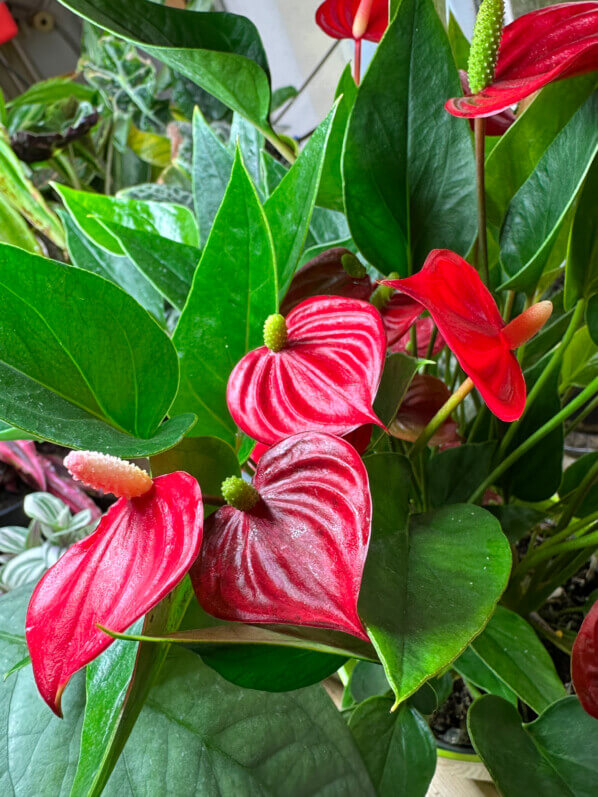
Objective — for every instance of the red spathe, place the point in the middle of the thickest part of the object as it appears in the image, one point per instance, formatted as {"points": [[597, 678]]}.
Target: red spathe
{"points": [[297, 557], [140, 551], [336, 18]]}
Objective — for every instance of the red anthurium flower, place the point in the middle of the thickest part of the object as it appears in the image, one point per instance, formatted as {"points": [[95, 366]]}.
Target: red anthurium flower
{"points": [[353, 19], [584, 662], [398, 314], [292, 547], [325, 275], [469, 321], [497, 124], [319, 371], [538, 48], [425, 396], [143, 546]]}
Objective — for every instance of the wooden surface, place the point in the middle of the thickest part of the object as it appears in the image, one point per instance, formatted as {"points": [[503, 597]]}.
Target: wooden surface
{"points": [[461, 779]]}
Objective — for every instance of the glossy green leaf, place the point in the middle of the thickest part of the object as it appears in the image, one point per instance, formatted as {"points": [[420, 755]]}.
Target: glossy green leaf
{"points": [[150, 147], [233, 292], [408, 165], [514, 158], [330, 192], [398, 747], [510, 648], [535, 214], [169, 266], [554, 756], [572, 479], [119, 269], [107, 681], [94, 371], [250, 141], [454, 474], [475, 671], [222, 53], [14, 230], [52, 90], [212, 166], [580, 361], [399, 370], [459, 43], [430, 582], [289, 209], [431, 695], [581, 275], [517, 520], [170, 221]]}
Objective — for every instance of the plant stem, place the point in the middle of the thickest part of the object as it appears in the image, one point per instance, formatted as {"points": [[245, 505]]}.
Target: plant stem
{"points": [[535, 438], [357, 62], [585, 541], [480, 147], [554, 363], [582, 416], [280, 145], [213, 500], [441, 416], [581, 492], [508, 306]]}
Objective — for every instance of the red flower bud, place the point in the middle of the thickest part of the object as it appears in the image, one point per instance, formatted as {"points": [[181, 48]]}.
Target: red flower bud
{"points": [[584, 662], [525, 326]]}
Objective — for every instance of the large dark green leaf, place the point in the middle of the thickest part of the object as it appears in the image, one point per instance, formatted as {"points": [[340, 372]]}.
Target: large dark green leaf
{"points": [[119, 269], [572, 479], [399, 370], [535, 213], [212, 166], [510, 648], [289, 209], [554, 756], [168, 266], [86, 368], [430, 582], [233, 292], [476, 672], [581, 275], [398, 747], [235, 741], [160, 218], [250, 141], [408, 165], [518, 151], [222, 53]]}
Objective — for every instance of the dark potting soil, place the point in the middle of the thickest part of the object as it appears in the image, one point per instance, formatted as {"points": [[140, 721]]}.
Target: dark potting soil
{"points": [[449, 722]]}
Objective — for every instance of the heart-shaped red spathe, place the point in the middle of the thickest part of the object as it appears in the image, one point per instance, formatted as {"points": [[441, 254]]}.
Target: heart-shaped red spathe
{"points": [[324, 275], [425, 396], [469, 321], [359, 438], [538, 48], [140, 551], [297, 557], [584, 662], [325, 379], [336, 18]]}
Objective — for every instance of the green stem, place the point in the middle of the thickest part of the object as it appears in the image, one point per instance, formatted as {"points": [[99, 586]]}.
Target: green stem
{"points": [[580, 494], [285, 150], [554, 363], [480, 146], [585, 541], [441, 416], [535, 438], [582, 416], [508, 306]]}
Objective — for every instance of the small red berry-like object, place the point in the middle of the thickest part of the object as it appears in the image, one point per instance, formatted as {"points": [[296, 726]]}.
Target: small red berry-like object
{"points": [[324, 377], [584, 662], [297, 554]]}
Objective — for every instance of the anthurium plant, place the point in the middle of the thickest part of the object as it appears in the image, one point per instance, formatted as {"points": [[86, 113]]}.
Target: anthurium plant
{"points": [[333, 397]]}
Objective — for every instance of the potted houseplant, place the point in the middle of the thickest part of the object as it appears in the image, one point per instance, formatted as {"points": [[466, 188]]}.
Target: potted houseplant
{"points": [[333, 416]]}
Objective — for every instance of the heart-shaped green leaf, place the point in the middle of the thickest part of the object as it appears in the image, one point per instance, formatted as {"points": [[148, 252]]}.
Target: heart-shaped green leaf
{"points": [[554, 756], [431, 581]]}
